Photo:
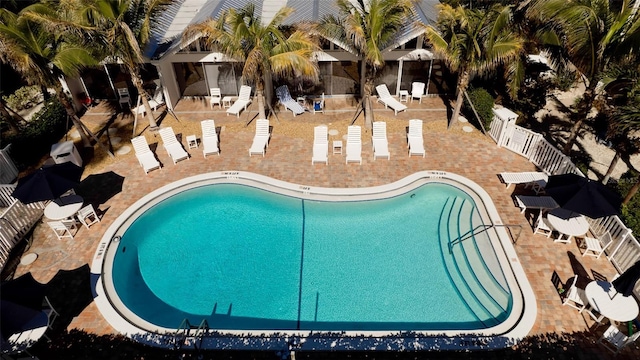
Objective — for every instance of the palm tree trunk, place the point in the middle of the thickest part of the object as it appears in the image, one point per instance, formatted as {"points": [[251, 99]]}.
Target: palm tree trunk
{"points": [[72, 114], [612, 166], [366, 103], [632, 191], [45, 93], [14, 124], [581, 115], [463, 83], [260, 95], [137, 82]]}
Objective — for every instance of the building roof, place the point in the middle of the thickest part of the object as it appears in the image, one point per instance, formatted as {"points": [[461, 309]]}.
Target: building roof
{"points": [[167, 32]]}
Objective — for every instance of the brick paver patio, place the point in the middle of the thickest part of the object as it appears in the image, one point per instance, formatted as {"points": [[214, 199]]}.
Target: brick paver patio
{"points": [[289, 158]]}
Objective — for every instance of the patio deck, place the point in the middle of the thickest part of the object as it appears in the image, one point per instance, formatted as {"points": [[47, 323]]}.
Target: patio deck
{"points": [[288, 158]]}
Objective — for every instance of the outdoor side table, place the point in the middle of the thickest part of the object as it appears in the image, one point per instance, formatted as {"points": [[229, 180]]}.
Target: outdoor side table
{"points": [[192, 141], [403, 95], [226, 101], [337, 146]]}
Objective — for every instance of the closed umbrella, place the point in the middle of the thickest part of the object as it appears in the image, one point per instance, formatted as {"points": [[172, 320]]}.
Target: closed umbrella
{"points": [[582, 195], [48, 182], [625, 283], [21, 304]]}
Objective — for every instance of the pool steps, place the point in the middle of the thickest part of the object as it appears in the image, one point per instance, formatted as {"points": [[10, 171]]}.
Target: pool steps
{"points": [[471, 265]]}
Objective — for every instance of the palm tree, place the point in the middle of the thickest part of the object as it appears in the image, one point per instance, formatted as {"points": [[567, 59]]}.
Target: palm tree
{"points": [[118, 29], [264, 48], [474, 42], [591, 34], [41, 58], [627, 121], [368, 29]]}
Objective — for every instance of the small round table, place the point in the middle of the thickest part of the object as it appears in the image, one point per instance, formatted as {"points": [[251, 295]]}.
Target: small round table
{"points": [[64, 207], [604, 299], [568, 223]]}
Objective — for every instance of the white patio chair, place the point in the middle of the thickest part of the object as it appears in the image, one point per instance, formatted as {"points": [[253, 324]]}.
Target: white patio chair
{"points": [[261, 138], [615, 340], [154, 102], [63, 228], [88, 216], [384, 96], [575, 297], [209, 138], [354, 144], [379, 140], [542, 226], [145, 157], [124, 97], [244, 99], [415, 141], [320, 145], [282, 92], [215, 97], [595, 247], [417, 90], [171, 144]]}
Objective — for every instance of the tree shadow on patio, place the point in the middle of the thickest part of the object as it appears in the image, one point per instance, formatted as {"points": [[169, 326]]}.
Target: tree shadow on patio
{"points": [[70, 292]]}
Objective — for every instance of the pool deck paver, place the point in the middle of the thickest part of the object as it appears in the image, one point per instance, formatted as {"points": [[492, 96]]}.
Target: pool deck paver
{"points": [[288, 158]]}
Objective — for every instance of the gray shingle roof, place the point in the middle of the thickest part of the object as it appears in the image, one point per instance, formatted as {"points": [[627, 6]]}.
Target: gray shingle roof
{"points": [[166, 34]]}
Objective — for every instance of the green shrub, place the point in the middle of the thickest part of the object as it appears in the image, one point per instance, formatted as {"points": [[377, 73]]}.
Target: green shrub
{"points": [[483, 103], [22, 98], [34, 141], [630, 213]]}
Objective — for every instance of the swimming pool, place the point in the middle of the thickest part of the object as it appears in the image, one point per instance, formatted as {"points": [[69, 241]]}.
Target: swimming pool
{"points": [[296, 259]]}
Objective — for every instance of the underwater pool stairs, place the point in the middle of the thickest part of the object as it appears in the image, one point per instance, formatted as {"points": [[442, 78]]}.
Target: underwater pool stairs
{"points": [[473, 267]]}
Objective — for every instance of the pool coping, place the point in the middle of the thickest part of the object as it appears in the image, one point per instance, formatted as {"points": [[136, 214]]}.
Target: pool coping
{"points": [[504, 334]]}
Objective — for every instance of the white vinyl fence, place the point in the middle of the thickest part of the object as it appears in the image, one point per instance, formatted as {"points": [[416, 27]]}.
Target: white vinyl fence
{"points": [[625, 249], [8, 171]]}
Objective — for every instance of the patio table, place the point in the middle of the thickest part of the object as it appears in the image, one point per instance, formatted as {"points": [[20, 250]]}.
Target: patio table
{"points": [[568, 223], [602, 297], [64, 207]]}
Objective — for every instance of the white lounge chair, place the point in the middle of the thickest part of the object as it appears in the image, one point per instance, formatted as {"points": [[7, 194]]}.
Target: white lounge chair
{"points": [[320, 145], [537, 180], [261, 138], [354, 144], [417, 90], [154, 102], [384, 96], [145, 157], [215, 97], [379, 140], [171, 144], [244, 99], [595, 247], [209, 138], [415, 141], [287, 101], [525, 202]]}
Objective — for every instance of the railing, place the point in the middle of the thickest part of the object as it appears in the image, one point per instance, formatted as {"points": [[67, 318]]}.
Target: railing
{"points": [[625, 249], [8, 171], [16, 221]]}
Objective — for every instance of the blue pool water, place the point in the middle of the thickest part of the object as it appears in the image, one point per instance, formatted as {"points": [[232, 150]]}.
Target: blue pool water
{"points": [[248, 259]]}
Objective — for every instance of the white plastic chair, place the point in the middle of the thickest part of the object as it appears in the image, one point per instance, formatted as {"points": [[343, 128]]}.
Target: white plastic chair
{"points": [[124, 97], [171, 144], [575, 297], [616, 340], [215, 97], [417, 90], [354, 144], [318, 105], [145, 157], [209, 138], [384, 96], [244, 99], [87, 216], [63, 228], [595, 247], [282, 92], [379, 140], [542, 227]]}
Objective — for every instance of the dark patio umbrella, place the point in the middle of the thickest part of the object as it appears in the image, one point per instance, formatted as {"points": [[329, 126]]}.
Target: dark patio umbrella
{"points": [[48, 182], [21, 303], [582, 195], [627, 281]]}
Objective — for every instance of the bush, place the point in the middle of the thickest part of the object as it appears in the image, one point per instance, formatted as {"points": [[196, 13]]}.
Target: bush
{"points": [[483, 103], [22, 98], [34, 141], [630, 214]]}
